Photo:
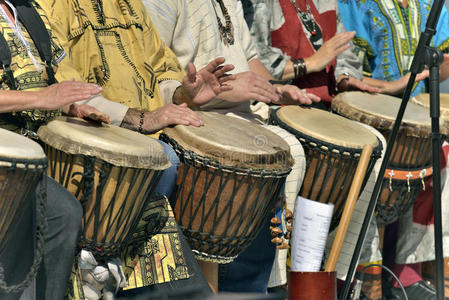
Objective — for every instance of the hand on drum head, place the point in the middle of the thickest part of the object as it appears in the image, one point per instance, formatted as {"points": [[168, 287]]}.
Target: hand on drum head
{"points": [[202, 86], [160, 118], [291, 95], [249, 85], [397, 86], [329, 51], [61, 94], [87, 112], [348, 83]]}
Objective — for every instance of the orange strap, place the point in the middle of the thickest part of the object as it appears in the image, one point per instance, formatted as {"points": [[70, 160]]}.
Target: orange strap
{"points": [[407, 174]]}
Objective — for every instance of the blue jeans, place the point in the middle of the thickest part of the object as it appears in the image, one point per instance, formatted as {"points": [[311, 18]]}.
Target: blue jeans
{"points": [[250, 271], [168, 179]]}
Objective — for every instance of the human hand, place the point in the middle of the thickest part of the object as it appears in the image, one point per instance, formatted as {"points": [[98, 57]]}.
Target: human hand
{"points": [[160, 118], [87, 112], [291, 94], [61, 94], [348, 83], [203, 86], [250, 85], [329, 51]]}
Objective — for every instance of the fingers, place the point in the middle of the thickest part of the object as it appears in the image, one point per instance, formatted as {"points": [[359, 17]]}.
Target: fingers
{"points": [[180, 114], [313, 97], [191, 72], [222, 70], [226, 78], [213, 65]]}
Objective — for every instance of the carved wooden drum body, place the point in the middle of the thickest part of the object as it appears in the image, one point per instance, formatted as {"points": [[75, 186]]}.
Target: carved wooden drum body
{"points": [[111, 170], [231, 174]]}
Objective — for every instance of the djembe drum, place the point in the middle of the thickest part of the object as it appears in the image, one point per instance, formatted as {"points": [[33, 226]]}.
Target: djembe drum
{"points": [[23, 166], [231, 174], [111, 170], [332, 146], [410, 162]]}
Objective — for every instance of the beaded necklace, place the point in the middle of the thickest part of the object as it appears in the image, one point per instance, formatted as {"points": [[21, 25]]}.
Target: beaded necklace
{"points": [[226, 32], [313, 31]]}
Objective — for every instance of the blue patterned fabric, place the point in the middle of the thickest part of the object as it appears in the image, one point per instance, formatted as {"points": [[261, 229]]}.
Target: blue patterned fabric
{"points": [[387, 34]]}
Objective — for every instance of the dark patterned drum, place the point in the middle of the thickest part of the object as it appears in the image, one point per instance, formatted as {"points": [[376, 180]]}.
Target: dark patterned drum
{"points": [[332, 146], [410, 162], [23, 166], [111, 170], [231, 174]]}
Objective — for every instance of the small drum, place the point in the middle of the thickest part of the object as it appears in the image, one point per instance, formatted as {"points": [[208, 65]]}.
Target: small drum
{"points": [[23, 166], [231, 174], [111, 170], [332, 146], [410, 162]]}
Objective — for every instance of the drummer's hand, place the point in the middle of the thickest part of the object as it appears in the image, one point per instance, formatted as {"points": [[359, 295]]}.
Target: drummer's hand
{"points": [[347, 83], [60, 94], [249, 85], [160, 118], [398, 86], [291, 95], [85, 111], [329, 51], [201, 87]]}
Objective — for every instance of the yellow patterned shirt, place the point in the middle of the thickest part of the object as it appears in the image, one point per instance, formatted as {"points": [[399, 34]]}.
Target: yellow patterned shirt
{"points": [[113, 44], [29, 73]]}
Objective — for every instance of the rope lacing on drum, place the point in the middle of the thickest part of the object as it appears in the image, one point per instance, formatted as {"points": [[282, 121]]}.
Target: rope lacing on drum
{"points": [[218, 230], [37, 170]]}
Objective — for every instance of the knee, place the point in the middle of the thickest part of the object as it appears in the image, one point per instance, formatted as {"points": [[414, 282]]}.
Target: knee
{"points": [[172, 156], [63, 209]]}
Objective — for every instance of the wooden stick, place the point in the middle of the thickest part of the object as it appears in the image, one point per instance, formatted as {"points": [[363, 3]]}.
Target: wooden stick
{"points": [[349, 207]]}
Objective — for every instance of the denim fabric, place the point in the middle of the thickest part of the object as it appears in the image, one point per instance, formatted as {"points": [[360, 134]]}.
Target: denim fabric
{"points": [[250, 271], [168, 179]]}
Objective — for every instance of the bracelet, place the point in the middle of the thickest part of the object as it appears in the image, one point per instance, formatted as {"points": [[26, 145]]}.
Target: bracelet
{"points": [[142, 115], [342, 84], [299, 67]]}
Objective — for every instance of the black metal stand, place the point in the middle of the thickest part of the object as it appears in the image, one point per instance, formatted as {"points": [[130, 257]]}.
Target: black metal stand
{"points": [[422, 51]]}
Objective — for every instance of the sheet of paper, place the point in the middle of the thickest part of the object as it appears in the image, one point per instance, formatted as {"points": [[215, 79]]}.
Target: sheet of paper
{"points": [[310, 230]]}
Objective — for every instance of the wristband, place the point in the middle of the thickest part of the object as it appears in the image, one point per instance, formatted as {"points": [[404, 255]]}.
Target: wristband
{"points": [[142, 115]]}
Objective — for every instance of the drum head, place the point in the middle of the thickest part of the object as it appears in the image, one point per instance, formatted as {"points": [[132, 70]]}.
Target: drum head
{"points": [[233, 142], [17, 146], [116, 145], [424, 100], [326, 127], [380, 111]]}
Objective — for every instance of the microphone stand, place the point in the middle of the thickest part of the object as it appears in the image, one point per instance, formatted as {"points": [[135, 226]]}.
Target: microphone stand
{"points": [[433, 58]]}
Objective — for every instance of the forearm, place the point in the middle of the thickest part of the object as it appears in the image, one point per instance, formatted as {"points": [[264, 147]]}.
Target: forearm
{"points": [[11, 101], [257, 67], [288, 73]]}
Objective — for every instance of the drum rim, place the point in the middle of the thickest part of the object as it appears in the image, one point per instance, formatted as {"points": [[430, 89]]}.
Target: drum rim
{"points": [[315, 143], [343, 108], [280, 158], [26, 164], [319, 141], [64, 144], [191, 156]]}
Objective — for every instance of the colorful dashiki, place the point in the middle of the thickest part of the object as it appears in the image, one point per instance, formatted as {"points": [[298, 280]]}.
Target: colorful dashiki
{"points": [[28, 68], [387, 34]]}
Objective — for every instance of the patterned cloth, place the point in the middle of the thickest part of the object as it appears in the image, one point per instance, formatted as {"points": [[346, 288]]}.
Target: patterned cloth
{"points": [[113, 44], [157, 260], [387, 34], [28, 69]]}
